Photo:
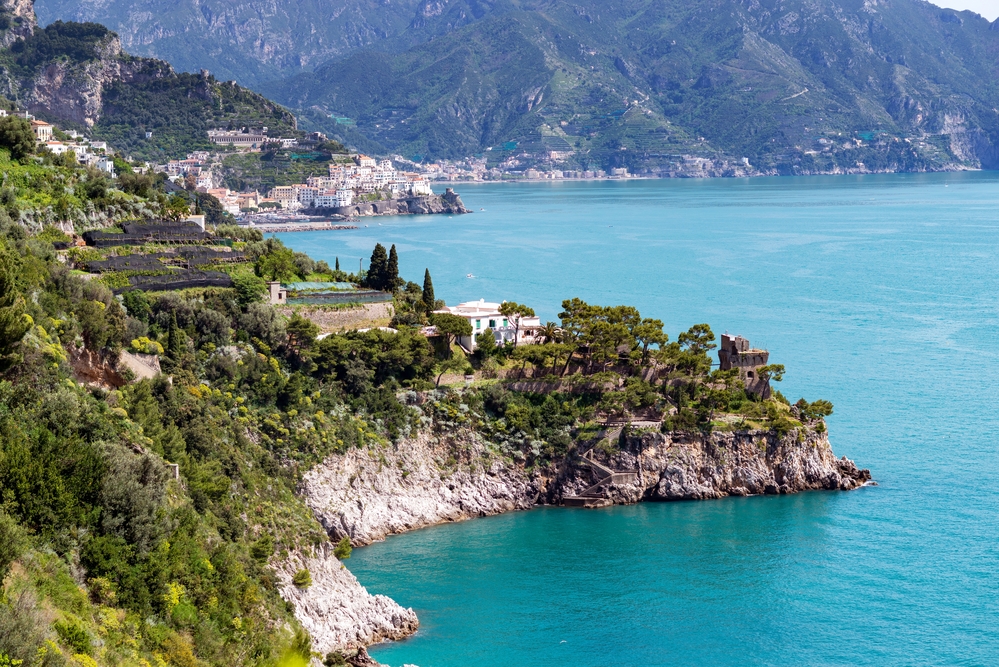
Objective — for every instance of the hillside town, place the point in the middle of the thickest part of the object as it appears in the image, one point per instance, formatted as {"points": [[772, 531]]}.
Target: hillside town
{"points": [[90, 153]]}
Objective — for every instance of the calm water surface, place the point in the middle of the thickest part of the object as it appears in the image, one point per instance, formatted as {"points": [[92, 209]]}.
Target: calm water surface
{"points": [[878, 293]]}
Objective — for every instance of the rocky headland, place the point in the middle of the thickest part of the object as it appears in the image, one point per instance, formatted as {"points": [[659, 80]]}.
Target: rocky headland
{"points": [[447, 203], [368, 494]]}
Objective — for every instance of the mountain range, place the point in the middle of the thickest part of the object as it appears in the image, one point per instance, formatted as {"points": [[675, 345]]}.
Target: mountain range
{"points": [[787, 86]]}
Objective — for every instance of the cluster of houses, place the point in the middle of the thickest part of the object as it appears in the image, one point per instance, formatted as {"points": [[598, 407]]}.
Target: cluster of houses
{"points": [[92, 153], [346, 181], [342, 185]]}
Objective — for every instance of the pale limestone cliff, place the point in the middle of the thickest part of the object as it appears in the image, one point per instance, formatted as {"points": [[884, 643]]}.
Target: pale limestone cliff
{"points": [[337, 611], [368, 494], [679, 466], [20, 20], [75, 91]]}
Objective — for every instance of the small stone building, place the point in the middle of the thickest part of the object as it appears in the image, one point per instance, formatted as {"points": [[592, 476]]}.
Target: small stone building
{"points": [[736, 352]]}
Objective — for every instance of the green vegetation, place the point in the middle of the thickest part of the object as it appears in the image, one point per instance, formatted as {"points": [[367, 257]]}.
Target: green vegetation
{"points": [[46, 191], [263, 171], [16, 136], [146, 97], [76, 42], [108, 559], [179, 109], [343, 549], [302, 579], [383, 270], [814, 86]]}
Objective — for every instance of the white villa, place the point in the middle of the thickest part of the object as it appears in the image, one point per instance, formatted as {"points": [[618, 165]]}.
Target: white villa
{"points": [[484, 315]]}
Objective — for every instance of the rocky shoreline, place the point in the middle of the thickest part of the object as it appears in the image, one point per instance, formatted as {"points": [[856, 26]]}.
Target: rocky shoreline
{"points": [[447, 203], [368, 494]]}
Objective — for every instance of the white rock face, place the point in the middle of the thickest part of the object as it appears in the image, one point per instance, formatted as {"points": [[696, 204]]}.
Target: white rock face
{"points": [[368, 494], [336, 609]]}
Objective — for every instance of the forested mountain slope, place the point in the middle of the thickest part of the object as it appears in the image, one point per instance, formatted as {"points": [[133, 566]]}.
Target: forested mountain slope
{"points": [[76, 74], [793, 85]]}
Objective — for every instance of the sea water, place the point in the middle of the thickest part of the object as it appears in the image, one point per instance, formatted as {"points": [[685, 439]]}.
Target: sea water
{"points": [[878, 293]]}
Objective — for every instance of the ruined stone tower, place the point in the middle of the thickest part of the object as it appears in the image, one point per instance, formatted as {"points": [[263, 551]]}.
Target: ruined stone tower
{"points": [[735, 352]]}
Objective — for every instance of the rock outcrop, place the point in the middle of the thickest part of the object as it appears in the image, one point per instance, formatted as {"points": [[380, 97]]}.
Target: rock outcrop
{"points": [[368, 494], [678, 466], [336, 609], [17, 21], [449, 202]]}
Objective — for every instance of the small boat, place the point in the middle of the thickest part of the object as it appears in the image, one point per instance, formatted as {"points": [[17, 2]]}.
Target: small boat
{"points": [[469, 275]]}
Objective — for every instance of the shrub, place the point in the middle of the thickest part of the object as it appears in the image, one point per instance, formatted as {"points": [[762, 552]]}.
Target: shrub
{"points": [[302, 579], [249, 289], [16, 136], [342, 549], [262, 549], [74, 636], [13, 541]]}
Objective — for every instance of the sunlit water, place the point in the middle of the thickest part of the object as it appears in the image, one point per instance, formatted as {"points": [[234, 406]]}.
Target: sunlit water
{"points": [[878, 293]]}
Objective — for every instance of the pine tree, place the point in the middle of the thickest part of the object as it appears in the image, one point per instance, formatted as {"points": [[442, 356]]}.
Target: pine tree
{"points": [[428, 291], [377, 267], [392, 281]]}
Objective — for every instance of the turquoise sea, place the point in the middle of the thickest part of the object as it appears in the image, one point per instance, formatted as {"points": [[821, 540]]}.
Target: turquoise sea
{"points": [[879, 293]]}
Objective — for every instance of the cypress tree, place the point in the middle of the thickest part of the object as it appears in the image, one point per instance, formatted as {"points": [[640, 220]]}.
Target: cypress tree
{"points": [[378, 267], [392, 282], [428, 291], [175, 340], [338, 265]]}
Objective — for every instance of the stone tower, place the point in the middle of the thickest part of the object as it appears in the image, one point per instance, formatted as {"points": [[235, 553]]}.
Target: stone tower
{"points": [[735, 352]]}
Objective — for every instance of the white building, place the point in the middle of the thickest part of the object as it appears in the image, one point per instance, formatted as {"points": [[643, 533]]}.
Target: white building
{"points": [[106, 164], [344, 197], [483, 315], [306, 194]]}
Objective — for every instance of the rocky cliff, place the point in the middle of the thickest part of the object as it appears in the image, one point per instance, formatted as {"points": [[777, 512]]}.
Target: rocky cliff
{"points": [[368, 494], [17, 21], [449, 202], [77, 75], [338, 612]]}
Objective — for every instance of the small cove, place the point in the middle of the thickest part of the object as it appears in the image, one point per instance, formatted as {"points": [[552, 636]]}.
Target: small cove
{"points": [[877, 292]]}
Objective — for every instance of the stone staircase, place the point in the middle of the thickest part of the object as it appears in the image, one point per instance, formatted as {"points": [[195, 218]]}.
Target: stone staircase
{"points": [[596, 495]]}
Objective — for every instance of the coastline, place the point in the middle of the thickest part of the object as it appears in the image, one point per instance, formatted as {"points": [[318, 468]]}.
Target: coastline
{"points": [[443, 477], [949, 169]]}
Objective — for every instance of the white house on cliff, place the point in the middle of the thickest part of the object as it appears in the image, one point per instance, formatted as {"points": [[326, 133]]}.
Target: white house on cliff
{"points": [[484, 315]]}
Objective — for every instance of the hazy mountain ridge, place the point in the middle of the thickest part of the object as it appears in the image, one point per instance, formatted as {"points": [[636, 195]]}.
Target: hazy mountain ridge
{"points": [[785, 83], [792, 85]]}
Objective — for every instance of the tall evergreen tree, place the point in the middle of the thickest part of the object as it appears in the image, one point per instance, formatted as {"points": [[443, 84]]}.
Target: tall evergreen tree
{"points": [[392, 281], [428, 291], [377, 267], [175, 340], [338, 265]]}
